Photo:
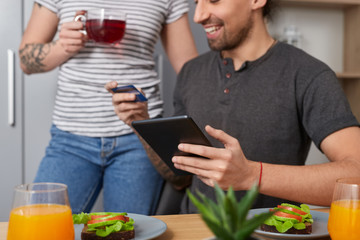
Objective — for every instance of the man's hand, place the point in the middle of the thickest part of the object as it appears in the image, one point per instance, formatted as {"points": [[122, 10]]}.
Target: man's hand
{"points": [[226, 166], [125, 107]]}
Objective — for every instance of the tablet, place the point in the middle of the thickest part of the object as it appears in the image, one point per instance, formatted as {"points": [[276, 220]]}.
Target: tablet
{"points": [[165, 134]]}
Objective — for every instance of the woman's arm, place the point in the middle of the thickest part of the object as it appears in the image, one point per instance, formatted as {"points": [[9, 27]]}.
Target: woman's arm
{"points": [[129, 111], [38, 52], [178, 42]]}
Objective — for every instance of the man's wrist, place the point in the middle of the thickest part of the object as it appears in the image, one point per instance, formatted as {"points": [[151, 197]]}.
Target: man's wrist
{"points": [[251, 176]]}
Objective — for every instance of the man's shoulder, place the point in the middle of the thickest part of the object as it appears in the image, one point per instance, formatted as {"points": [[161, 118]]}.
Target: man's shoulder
{"points": [[298, 61], [199, 68], [204, 58], [298, 56]]}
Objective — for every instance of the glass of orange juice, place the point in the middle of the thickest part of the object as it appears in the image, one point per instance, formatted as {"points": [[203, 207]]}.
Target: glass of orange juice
{"points": [[41, 211], [344, 219]]}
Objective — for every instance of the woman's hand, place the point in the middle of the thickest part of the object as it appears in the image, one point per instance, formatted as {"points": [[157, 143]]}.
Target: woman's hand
{"points": [[71, 39], [125, 107]]}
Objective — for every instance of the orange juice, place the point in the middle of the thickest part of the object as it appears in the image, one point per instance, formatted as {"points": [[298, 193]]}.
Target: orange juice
{"points": [[41, 222], [344, 220]]}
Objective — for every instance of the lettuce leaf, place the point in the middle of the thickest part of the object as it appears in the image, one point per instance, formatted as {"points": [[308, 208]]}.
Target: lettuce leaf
{"points": [[281, 226], [305, 208], [102, 224], [299, 226], [81, 218], [109, 229]]}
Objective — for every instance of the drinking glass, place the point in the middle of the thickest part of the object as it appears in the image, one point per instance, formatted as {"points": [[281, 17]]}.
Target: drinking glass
{"points": [[104, 25], [41, 211], [344, 219]]}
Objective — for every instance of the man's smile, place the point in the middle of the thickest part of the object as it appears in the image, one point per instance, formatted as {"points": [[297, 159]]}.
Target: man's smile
{"points": [[212, 31]]}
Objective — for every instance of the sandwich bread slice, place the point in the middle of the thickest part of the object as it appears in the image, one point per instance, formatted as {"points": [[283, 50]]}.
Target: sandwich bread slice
{"points": [[121, 235]]}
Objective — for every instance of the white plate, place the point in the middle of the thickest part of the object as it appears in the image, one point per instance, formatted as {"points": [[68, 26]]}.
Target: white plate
{"points": [[145, 227], [319, 227]]}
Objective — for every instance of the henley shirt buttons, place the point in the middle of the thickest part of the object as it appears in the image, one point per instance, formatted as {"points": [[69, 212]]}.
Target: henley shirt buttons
{"points": [[226, 91], [228, 75], [225, 62]]}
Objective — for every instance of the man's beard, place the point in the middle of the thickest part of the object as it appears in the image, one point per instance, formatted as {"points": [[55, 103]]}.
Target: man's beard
{"points": [[230, 42]]}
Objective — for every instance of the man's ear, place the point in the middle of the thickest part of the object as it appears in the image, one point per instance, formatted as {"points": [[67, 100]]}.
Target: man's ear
{"points": [[256, 4]]}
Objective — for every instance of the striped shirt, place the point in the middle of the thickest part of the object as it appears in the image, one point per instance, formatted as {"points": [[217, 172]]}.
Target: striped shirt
{"points": [[82, 105]]}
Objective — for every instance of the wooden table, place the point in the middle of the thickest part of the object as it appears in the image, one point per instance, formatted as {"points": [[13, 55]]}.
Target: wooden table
{"points": [[179, 227], [191, 227], [186, 227]]}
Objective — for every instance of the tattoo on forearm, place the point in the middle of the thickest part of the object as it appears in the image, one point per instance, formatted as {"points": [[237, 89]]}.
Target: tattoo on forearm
{"points": [[32, 56], [38, 4]]}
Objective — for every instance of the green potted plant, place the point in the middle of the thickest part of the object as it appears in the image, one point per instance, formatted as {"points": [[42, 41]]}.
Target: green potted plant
{"points": [[227, 218]]}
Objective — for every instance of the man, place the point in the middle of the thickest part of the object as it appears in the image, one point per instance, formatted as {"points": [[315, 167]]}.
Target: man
{"points": [[270, 100]]}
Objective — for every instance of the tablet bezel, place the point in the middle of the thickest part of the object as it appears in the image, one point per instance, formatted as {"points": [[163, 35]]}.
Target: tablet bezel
{"points": [[164, 135]]}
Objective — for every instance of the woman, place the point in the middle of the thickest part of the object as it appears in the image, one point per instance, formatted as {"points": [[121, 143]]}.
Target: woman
{"points": [[91, 148]]}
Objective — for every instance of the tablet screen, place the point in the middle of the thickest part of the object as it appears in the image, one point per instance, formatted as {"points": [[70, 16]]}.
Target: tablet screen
{"points": [[165, 134]]}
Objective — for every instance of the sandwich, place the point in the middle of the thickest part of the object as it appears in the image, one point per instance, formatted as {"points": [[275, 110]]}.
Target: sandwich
{"points": [[289, 219], [105, 226]]}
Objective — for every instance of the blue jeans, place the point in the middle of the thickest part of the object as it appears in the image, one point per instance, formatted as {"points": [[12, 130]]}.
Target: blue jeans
{"points": [[119, 165]]}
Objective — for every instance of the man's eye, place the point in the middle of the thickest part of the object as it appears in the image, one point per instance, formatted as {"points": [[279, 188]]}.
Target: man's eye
{"points": [[211, 1]]}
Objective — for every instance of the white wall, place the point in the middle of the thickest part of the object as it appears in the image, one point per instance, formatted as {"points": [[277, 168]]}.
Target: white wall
{"points": [[321, 28]]}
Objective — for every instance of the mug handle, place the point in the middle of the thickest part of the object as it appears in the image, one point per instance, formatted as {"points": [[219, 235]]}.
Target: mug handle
{"points": [[82, 18], [80, 15]]}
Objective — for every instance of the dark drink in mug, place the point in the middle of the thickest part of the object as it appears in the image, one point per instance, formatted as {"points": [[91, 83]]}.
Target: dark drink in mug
{"points": [[104, 25], [105, 31]]}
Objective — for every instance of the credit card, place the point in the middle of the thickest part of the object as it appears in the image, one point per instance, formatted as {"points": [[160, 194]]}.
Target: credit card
{"points": [[130, 89]]}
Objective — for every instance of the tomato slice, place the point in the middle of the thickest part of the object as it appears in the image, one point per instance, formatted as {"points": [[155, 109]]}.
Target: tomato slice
{"points": [[97, 219], [98, 216], [292, 209], [288, 215]]}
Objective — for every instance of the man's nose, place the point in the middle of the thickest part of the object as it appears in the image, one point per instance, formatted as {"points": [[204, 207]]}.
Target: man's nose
{"points": [[201, 12]]}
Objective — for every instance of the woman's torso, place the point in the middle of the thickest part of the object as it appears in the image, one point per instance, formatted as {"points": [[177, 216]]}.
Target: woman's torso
{"points": [[82, 105]]}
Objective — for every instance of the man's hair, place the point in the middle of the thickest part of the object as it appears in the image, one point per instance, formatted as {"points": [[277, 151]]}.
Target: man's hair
{"points": [[269, 9]]}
